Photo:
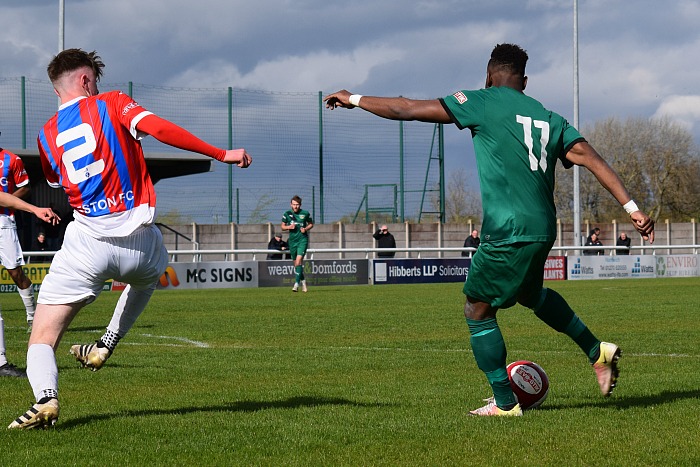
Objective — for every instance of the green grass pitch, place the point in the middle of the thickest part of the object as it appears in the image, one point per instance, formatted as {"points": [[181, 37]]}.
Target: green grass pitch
{"points": [[362, 375]]}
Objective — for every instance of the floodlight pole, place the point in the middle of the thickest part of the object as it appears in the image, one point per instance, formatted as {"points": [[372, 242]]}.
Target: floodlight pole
{"points": [[577, 197], [61, 31], [61, 24]]}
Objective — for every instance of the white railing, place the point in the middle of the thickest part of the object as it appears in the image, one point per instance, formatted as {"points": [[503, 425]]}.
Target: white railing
{"points": [[420, 251], [229, 254]]}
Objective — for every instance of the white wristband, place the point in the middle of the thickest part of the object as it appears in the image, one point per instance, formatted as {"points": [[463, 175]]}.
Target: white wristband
{"points": [[631, 207], [355, 99]]}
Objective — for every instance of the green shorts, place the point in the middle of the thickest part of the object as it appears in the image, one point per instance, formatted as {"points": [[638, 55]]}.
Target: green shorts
{"points": [[298, 247], [500, 275]]}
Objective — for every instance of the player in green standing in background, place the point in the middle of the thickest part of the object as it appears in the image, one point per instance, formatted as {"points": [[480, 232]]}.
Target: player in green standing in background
{"points": [[517, 143], [298, 222]]}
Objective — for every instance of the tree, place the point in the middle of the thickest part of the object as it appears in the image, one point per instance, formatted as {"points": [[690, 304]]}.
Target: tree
{"points": [[376, 217], [655, 158], [260, 213], [174, 217], [461, 204]]}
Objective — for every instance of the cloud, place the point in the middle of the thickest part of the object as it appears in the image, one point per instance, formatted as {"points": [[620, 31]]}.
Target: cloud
{"points": [[315, 71], [634, 56], [682, 109]]}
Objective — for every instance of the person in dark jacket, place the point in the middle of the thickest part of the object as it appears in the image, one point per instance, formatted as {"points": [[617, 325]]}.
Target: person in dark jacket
{"points": [[40, 244], [472, 241], [277, 244], [593, 241], [623, 240], [385, 240]]}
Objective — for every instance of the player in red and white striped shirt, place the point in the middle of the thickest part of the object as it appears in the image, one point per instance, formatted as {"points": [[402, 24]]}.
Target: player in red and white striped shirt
{"points": [[14, 181], [91, 149], [10, 250]]}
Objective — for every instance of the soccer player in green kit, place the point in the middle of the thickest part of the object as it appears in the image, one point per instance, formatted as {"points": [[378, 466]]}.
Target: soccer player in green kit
{"points": [[298, 222], [517, 143]]}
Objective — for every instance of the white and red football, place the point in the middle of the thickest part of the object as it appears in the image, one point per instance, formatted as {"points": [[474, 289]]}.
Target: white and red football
{"points": [[529, 382]]}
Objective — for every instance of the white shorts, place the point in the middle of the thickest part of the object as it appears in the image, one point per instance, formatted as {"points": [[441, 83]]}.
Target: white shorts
{"points": [[83, 264], [10, 249]]}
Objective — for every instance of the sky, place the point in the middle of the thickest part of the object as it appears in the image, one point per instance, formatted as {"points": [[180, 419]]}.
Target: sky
{"points": [[636, 59]]}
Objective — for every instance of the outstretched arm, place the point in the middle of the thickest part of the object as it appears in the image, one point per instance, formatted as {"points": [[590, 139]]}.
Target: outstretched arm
{"points": [[392, 108], [584, 155], [12, 202], [176, 136]]}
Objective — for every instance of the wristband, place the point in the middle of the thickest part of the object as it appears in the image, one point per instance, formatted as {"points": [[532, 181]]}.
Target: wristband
{"points": [[355, 99], [631, 207]]}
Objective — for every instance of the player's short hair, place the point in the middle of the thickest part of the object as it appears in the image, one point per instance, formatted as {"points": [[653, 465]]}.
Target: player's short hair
{"points": [[296, 198], [509, 57], [72, 59]]}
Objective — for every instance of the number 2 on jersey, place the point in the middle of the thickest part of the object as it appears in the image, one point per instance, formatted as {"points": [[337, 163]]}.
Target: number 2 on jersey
{"points": [[71, 156], [527, 124]]}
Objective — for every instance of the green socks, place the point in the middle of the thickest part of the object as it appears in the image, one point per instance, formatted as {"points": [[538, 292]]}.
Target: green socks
{"points": [[490, 349], [490, 354], [557, 314]]}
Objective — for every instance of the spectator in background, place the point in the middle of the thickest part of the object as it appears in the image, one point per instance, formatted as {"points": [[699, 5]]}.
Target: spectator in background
{"points": [[623, 240], [593, 241], [472, 241], [40, 244], [53, 232], [596, 231], [385, 240], [277, 244]]}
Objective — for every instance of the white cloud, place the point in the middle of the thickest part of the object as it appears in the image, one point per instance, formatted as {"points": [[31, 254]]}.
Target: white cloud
{"points": [[682, 109], [315, 71]]}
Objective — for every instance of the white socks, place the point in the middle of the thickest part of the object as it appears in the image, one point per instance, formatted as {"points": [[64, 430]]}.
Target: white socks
{"points": [[29, 302], [3, 359], [130, 305], [42, 371]]}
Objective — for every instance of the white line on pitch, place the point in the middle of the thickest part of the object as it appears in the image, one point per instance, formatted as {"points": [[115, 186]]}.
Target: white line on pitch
{"points": [[152, 344], [203, 345], [398, 349]]}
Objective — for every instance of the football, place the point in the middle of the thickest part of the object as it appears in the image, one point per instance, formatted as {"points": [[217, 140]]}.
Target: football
{"points": [[529, 382]]}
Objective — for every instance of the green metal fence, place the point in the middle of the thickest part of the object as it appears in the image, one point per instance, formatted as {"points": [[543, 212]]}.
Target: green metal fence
{"points": [[298, 147]]}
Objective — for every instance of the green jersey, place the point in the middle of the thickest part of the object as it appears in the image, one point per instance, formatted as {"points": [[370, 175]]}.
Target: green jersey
{"points": [[517, 143], [299, 219]]}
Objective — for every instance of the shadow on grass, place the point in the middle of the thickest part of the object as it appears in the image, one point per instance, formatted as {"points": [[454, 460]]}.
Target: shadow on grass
{"points": [[241, 406], [664, 397]]}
